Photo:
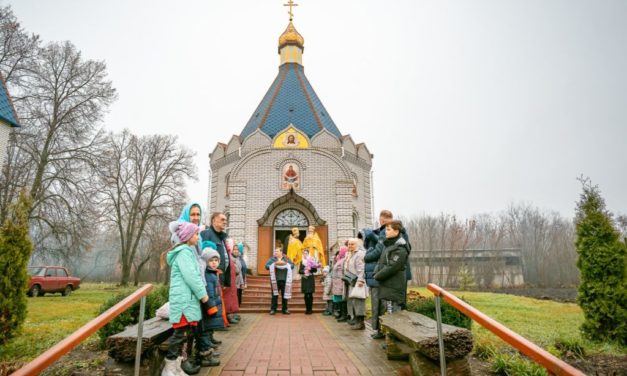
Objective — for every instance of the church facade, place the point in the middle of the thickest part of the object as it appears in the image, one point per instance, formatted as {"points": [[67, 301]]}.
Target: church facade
{"points": [[291, 167]]}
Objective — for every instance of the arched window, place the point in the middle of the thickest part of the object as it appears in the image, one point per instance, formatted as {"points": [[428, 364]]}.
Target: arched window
{"points": [[291, 218], [355, 224]]}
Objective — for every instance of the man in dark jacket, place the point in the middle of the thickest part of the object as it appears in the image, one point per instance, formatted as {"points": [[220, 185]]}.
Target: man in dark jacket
{"points": [[390, 271], [279, 264], [216, 234], [373, 242]]}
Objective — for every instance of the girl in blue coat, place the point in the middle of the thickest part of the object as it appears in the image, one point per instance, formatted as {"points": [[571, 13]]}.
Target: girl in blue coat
{"points": [[187, 291]]}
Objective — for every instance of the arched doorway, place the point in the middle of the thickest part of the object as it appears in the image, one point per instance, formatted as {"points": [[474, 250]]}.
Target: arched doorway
{"points": [[283, 224], [282, 215]]}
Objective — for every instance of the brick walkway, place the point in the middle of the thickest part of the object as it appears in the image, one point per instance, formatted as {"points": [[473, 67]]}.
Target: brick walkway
{"points": [[299, 344]]}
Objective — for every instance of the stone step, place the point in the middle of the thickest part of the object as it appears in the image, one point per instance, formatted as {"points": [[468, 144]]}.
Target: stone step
{"points": [[248, 300]]}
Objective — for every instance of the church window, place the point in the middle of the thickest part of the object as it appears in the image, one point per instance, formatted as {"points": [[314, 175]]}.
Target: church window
{"points": [[291, 218], [355, 224]]}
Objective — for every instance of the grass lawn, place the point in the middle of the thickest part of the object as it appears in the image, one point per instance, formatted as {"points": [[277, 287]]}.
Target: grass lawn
{"points": [[53, 317], [540, 321]]}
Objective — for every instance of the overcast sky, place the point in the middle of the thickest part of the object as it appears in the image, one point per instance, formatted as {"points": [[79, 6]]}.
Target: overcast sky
{"points": [[467, 106]]}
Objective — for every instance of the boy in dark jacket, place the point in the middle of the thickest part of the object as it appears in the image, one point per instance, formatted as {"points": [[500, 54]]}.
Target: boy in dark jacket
{"points": [[212, 312], [390, 270]]}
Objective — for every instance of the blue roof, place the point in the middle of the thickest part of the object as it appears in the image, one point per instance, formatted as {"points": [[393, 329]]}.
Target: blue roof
{"points": [[7, 112], [290, 100]]}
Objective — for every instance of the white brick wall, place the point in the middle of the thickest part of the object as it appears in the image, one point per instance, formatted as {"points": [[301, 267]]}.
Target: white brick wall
{"points": [[5, 131]]}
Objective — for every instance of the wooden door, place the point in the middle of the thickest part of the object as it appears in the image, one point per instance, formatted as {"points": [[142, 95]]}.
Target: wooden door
{"points": [[264, 248], [323, 233]]}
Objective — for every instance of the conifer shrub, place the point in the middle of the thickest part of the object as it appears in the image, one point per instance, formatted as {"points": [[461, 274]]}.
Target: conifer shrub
{"points": [[450, 315], [602, 262], [157, 297], [16, 248]]}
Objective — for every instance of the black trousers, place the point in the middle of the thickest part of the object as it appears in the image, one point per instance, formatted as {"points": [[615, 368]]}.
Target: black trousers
{"points": [[239, 297], [180, 336], [308, 302], [275, 298]]}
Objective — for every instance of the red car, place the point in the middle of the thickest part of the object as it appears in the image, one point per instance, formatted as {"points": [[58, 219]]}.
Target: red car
{"points": [[45, 279]]}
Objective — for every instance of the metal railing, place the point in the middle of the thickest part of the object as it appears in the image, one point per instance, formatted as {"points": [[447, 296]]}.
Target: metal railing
{"points": [[553, 364], [44, 360]]}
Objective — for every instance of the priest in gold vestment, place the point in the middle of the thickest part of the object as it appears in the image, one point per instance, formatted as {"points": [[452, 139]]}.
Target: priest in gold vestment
{"points": [[294, 247], [314, 245]]}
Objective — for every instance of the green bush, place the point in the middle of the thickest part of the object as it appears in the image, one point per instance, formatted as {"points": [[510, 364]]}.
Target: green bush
{"points": [[602, 262], [515, 365], [16, 248], [157, 297], [570, 347], [450, 315]]}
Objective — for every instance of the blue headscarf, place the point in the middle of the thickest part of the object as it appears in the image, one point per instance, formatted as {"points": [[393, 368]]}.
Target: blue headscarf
{"points": [[184, 217], [185, 213]]}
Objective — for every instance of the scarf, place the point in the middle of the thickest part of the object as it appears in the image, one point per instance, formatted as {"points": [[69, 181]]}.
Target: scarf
{"points": [[288, 282]]}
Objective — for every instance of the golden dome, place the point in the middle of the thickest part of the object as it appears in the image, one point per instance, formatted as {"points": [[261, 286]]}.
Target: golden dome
{"points": [[292, 37]]}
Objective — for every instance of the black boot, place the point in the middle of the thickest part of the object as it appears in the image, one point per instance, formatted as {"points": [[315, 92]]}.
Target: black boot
{"points": [[190, 367], [214, 340], [343, 312], [359, 324], [208, 359], [336, 310]]}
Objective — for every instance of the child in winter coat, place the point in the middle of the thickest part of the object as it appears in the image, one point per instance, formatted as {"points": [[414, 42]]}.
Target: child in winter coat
{"points": [[213, 310], [186, 290], [338, 287], [326, 288]]}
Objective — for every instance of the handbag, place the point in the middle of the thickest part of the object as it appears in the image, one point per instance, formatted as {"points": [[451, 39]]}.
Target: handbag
{"points": [[349, 278], [358, 292]]}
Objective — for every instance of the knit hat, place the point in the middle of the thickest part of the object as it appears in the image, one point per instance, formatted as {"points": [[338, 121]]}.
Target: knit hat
{"points": [[186, 230], [208, 244], [209, 253]]}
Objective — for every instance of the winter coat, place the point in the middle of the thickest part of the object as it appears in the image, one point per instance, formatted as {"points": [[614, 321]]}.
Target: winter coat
{"points": [[186, 285], [307, 284], [390, 271], [356, 264], [231, 305], [215, 300], [185, 217], [326, 283], [337, 272], [373, 242], [240, 278], [225, 266]]}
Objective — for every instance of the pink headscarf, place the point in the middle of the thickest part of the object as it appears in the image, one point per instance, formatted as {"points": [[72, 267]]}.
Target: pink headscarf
{"points": [[342, 254], [186, 230]]}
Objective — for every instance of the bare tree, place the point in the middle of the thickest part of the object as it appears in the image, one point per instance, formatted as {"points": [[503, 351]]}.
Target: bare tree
{"points": [[18, 50], [60, 112], [141, 178]]}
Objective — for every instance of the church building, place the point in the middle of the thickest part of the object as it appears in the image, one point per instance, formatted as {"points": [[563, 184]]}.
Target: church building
{"points": [[291, 167]]}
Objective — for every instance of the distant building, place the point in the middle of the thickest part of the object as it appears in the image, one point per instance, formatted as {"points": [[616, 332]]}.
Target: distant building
{"points": [[497, 268], [8, 119], [290, 167]]}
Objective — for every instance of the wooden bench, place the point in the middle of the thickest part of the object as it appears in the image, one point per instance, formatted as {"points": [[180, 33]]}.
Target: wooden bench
{"points": [[414, 336], [122, 348]]}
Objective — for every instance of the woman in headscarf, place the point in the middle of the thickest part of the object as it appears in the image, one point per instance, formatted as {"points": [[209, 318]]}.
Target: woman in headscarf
{"points": [[338, 288]]}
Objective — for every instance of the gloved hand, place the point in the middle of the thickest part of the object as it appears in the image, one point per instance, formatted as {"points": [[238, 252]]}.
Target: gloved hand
{"points": [[208, 310]]}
